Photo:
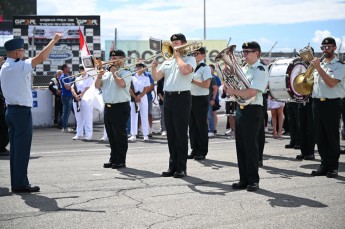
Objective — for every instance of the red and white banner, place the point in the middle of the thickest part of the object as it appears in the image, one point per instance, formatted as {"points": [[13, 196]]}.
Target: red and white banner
{"points": [[92, 95]]}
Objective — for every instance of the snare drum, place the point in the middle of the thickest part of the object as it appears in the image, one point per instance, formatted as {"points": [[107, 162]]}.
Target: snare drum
{"points": [[281, 76]]}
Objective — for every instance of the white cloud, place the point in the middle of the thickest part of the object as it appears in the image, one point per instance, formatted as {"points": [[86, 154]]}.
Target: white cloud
{"points": [[319, 35]]}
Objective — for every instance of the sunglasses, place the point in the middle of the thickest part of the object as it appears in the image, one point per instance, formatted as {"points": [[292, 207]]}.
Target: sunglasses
{"points": [[247, 51], [326, 47]]}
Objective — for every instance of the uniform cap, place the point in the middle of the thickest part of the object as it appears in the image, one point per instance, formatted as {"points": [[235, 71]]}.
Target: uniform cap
{"points": [[13, 44], [251, 45]]}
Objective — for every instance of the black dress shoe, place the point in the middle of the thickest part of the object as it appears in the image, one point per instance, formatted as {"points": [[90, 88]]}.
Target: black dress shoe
{"points": [[332, 174], [108, 165], [27, 188], [190, 156], [319, 172], [252, 187], [168, 173], [4, 152], [180, 174], [118, 166], [300, 157], [239, 185], [199, 157], [289, 146], [297, 147], [309, 157]]}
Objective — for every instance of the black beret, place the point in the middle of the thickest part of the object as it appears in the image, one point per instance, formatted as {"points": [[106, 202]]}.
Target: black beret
{"points": [[81, 67], [117, 53], [178, 36], [328, 41], [14, 44], [251, 45], [202, 50]]}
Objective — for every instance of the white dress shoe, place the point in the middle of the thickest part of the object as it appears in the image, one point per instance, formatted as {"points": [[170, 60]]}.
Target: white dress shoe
{"points": [[132, 139]]}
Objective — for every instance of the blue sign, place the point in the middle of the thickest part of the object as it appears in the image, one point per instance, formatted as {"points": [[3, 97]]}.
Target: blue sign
{"points": [[35, 104]]}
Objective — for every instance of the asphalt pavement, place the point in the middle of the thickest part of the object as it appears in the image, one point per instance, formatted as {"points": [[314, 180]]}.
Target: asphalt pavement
{"points": [[77, 192]]}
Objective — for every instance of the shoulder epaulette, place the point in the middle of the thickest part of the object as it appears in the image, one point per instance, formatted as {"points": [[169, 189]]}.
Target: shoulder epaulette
{"points": [[261, 68], [199, 65], [261, 62]]}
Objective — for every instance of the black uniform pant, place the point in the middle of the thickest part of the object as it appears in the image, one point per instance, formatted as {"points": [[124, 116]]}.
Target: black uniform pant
{"points": [[262, 137], [198, 128], [292, 114], [177, 109], [326, 123], [115, 121], [19, 122], [306, 128], [3, 133], [248, 123]]}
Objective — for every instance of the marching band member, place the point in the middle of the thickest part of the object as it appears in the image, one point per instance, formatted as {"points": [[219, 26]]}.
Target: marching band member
{"points": [[198, 128], [115, 92], [178, 73], [141, 85], [249, 118], [82, 109], [327, 93], [15, 76]]}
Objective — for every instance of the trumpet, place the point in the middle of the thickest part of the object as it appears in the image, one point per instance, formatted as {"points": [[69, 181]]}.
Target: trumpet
{"points": [[168, 52]]}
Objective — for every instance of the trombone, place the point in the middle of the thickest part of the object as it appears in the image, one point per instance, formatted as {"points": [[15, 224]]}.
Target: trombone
{"points": [[94, 64], [168, 52]]}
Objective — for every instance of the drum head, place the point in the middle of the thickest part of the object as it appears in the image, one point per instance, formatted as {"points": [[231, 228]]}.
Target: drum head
{"points": [[277, 83], [296, 67]]}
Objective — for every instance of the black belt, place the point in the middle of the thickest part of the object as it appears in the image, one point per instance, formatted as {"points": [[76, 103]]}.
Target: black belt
{"points": [[113, 104], [326, 99], [14, 105], [249, 106], [176, 92]]}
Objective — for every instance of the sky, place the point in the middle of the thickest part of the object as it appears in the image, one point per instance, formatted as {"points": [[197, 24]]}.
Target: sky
{"points": [[282, 25]]}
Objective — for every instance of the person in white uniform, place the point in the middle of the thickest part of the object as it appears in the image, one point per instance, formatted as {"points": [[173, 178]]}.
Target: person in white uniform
{"points": [[82, 109], [140, 86]]}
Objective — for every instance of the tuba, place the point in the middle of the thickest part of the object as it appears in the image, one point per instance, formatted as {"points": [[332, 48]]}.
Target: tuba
{"points": [[232, 74], [304, 82]]}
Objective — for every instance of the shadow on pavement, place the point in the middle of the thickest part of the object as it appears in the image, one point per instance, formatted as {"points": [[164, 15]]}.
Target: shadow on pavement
{"points": [[45, 204], [289, 201]]}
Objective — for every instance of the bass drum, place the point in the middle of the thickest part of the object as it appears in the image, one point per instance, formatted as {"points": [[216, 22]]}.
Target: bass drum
{"points": [[281, 76]]}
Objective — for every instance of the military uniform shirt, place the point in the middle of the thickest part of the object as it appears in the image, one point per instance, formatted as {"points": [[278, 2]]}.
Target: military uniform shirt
{"points": [[83, 83], [111, 92], [140, 82], [258, 79], [174, 80], [202, 74], [16, 82], [336, 70]]}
